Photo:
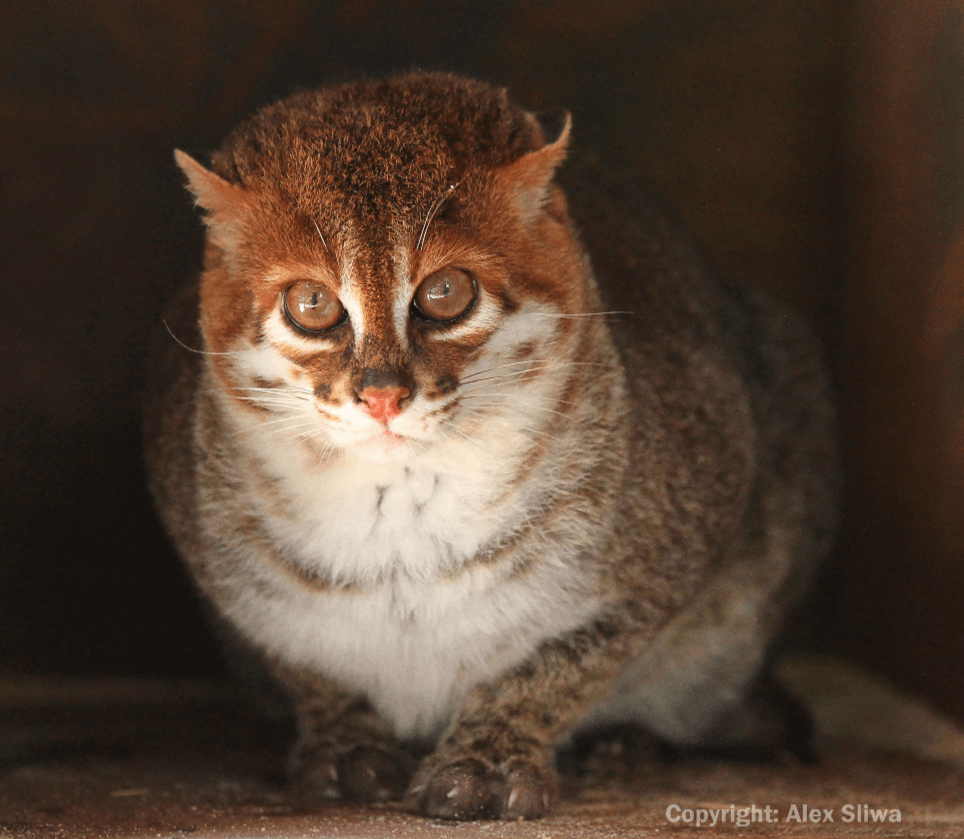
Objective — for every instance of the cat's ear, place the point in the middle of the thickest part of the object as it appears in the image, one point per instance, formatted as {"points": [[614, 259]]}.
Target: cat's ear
{"points": [[223, 203], [528, 179]]}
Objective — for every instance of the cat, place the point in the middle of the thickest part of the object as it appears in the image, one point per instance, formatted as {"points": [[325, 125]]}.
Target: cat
{"points": [[472, 470]]}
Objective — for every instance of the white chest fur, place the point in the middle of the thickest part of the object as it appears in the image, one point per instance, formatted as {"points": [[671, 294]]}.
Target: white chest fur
{"points": [[418, 623], [415, 648]]}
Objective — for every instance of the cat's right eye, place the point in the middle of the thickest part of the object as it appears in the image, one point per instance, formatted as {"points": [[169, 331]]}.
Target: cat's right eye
{"points": [[312, 307]]}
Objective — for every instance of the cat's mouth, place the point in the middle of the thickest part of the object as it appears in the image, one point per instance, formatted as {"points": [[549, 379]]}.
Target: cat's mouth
{"points": [[385, 443], [389, 438]]}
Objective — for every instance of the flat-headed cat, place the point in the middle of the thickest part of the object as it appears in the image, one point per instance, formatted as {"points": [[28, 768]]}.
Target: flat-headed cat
{"points": [[474, 462]]}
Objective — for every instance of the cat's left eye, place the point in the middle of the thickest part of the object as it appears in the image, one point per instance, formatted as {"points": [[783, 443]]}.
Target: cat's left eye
{"points": [[445, 295], [312, 307]]}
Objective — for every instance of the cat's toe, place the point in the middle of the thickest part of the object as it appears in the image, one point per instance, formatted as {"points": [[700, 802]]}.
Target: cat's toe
{"points": [[529, 790], [372, 774], [467, 789], [316, 780], [461, 790]]}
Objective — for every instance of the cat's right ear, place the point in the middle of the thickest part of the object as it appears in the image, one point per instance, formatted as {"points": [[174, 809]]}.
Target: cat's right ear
{"points": [[223, 203], [528, 179]]}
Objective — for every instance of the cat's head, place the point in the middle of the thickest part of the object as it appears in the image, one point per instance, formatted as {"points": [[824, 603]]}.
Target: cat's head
{"points": [[387, 261]]}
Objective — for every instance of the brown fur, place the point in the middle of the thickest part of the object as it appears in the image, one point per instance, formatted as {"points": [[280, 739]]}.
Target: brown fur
{"points": [[674, 493]]}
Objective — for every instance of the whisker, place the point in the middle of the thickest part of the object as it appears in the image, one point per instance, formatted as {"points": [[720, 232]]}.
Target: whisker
{"points": [[471, 395], [517, 409], [581, 314], [536, 366], [309, 435], [289, 419], [503, 366], [508, 377], [543, 433], [287, 399], [199, 352], [264, 397], [284, 429], [431, 214], [271, 404], [300, 393], [315, 223], [465, 436]]}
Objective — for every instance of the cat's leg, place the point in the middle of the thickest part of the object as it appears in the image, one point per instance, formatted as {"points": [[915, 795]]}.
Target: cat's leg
{"points": [[344, 749], [496, 761]]}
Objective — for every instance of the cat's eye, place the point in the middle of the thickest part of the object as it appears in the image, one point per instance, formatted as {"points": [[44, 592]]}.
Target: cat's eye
{"points": [[445, 295], [312, 307]]}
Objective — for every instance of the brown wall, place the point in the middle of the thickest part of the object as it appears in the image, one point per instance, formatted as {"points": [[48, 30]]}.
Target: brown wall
{"points": [[813, 146], [898, 592]]}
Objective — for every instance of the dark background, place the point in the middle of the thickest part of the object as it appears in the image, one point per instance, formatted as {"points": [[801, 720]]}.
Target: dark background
{"points": [[814, 146]]}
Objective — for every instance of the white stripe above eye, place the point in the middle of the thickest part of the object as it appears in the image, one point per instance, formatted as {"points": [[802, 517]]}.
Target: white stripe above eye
{"points": [[403, 294], [351, 300]]}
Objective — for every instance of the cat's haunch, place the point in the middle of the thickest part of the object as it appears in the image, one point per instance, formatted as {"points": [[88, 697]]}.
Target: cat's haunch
{"points": [[475, 455]]}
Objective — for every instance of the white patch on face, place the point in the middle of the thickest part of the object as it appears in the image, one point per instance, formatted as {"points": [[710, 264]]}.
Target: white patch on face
{"points": [[403, 295], [531, 322], [484, 318], [282, 334], [350, 298], [265, 361], [293, 404]]}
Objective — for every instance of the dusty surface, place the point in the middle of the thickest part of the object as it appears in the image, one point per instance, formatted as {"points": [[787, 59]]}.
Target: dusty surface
{"points": [[134, 759]]}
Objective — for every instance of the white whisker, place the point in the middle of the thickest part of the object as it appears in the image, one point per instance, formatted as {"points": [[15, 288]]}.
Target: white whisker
{"points": [[199, 352], [546, 434], [315, 223], [299, 393], [431, 214], [515, 409], [509, 378], [530, 361], [289, 419], [287, 429], [580, 314]]}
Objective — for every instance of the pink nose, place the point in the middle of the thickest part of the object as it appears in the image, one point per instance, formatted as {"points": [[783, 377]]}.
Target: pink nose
{"points": [[382, 402]]}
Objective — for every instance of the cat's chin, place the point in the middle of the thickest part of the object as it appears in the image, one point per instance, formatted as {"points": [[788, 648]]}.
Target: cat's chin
{"points": [[386, 446]]}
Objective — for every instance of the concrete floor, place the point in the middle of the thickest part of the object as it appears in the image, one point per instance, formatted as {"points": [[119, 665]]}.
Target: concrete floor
{"points": [[122, 758]]}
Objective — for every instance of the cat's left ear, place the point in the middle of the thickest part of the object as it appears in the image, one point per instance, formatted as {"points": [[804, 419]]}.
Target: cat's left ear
{"points": [[223, 203], [528, 179]]}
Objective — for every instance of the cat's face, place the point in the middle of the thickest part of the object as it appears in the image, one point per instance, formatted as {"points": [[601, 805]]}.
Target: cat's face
{"points": [[398, 318]]}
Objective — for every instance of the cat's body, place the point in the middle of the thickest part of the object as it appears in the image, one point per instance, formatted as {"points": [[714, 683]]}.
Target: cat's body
{"points": [[445, 499]]}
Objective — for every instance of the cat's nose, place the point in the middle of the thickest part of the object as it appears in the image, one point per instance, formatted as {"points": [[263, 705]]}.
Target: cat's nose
{"points": [[382, 403]]}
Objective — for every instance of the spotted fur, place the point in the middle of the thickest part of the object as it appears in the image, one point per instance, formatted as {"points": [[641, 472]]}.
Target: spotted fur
{"points": [[569, 517]]}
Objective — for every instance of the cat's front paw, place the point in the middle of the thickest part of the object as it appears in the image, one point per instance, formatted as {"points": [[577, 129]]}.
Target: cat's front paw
{"points": [[366, 774], [469, 788]]}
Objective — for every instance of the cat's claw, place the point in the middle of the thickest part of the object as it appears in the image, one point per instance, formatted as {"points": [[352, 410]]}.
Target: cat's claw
{"points": [[468, 789], [531, 789]]}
